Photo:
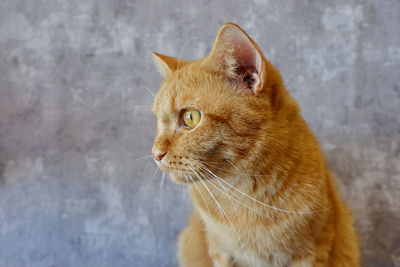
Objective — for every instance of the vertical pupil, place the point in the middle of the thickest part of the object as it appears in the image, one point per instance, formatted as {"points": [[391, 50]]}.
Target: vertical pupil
{"points": [[190, 116]]}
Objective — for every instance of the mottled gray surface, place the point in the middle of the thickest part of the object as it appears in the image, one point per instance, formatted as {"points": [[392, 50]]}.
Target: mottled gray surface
{"points": [[77, 186]]}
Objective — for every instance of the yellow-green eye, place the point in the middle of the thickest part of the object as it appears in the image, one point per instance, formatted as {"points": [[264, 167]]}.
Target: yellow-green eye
{"points": [[191, 118]]}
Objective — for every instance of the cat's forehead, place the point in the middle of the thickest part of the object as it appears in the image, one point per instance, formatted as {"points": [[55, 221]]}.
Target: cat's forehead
{"points": [[164, 101], [180, 90]]}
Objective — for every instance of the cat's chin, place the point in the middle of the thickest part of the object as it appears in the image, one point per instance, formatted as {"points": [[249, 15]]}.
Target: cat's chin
{"points": [[182, 178]]}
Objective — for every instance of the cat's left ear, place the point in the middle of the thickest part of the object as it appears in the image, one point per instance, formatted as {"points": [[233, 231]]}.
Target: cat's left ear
{"points": [[167, 65], [238, 56]]}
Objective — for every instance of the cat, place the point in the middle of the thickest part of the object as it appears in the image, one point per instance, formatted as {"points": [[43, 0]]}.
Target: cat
{"points": [[262, 192]]}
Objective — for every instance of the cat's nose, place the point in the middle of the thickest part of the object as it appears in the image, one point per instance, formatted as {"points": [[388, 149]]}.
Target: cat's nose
{"points": [[159, 155]]}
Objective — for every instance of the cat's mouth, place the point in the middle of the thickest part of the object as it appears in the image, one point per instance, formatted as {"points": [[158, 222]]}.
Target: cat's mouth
{"points": [[184, 171], [180, 172]]}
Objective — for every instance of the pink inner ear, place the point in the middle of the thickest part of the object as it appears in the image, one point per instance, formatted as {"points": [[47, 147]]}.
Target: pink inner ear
{"points": [[245, 54]]}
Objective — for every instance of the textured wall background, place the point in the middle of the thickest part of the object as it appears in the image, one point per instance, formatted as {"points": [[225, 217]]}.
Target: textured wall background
{"points": [[77, 185]]}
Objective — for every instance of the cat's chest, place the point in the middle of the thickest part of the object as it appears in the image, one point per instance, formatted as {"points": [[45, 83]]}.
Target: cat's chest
{"points": [[244, 244]]}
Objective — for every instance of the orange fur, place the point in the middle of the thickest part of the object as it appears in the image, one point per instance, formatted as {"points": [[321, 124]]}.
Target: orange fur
{"points": [[251, 149]]}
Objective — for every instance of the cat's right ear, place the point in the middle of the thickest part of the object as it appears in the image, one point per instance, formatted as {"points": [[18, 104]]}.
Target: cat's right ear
{"points": [[237, 56], [165, 64]]}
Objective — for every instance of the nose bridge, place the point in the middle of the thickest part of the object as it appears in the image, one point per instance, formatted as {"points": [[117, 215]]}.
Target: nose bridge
{"points": [[161, 143]]}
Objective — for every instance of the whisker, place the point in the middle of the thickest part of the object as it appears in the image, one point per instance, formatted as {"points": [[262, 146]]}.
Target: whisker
{"points": [[214, 175], [222, 169], [157, 169], [181, 54], [142, 107], [262, 203], [144, 157], [201, 181], [121, 83], [237, 201], [198, 189], [223, 187], [160, 203], [148, 90], [183, 49], [221, 208]]}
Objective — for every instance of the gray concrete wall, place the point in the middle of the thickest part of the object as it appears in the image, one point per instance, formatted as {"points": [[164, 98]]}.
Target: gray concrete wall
{"points": [[77, 186]]}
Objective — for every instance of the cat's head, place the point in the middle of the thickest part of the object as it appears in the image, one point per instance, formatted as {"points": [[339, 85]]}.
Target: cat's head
{"points": [[219, 113]]}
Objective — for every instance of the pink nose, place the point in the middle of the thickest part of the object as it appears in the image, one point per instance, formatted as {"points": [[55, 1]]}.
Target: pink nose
{"points": [[159, 155]]}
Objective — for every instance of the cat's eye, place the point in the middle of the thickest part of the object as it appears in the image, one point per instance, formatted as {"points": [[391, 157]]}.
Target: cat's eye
{"points": [[191, 118]]}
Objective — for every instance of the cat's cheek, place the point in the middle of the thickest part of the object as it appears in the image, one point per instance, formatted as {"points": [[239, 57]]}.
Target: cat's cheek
{"points": [[228, 153]]}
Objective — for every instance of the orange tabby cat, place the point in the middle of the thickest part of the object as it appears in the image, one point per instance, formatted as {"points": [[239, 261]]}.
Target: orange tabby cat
{"points": [[261, 190]]}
